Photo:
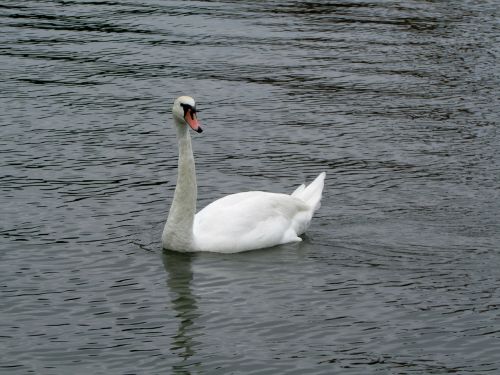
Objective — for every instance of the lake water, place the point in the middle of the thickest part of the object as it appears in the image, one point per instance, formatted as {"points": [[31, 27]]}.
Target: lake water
{"points": [[396, 100]]}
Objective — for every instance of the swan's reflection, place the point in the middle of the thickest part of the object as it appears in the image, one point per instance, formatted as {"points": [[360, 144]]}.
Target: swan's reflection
{"points": [[180, 275]]}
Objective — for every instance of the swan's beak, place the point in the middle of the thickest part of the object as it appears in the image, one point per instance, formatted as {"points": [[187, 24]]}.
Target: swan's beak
{"points": [[192, 120]]}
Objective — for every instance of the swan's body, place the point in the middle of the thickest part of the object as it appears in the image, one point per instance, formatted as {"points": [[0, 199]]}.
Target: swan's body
{"points": [[237, 222]]}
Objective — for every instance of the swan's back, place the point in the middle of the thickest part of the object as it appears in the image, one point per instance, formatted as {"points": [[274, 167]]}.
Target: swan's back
{"points": [[256, 219]]}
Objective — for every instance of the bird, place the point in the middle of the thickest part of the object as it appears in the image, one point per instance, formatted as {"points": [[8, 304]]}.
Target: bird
{"points": [[237, 222]]}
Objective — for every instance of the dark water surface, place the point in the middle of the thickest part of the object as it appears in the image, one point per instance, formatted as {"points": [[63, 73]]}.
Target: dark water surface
{"points": [[396, 100]]}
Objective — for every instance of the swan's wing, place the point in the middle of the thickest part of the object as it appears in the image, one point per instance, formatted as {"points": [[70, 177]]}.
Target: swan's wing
{"points": [[250, 220]]}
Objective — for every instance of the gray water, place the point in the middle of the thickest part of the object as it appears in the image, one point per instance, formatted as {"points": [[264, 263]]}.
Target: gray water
{"points": [[396, 100]]}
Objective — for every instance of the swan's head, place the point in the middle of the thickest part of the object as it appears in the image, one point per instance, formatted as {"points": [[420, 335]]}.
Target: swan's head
{"points": [[184, 111]]}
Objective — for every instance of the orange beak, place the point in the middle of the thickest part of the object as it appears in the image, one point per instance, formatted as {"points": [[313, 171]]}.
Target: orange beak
{"points": [[192, 120]]}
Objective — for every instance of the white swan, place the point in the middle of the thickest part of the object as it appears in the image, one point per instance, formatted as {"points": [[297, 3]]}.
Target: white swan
{"points": [[237, 222]]}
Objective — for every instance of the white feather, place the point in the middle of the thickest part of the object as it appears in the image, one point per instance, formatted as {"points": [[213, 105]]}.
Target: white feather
{"points": [[251, 220]]}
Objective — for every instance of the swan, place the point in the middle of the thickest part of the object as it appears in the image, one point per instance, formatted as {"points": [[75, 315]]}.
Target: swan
{"points": [[236, 222]]}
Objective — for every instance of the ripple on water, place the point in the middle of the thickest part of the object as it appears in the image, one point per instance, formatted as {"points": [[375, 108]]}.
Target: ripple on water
{"points": [[396, 101]]}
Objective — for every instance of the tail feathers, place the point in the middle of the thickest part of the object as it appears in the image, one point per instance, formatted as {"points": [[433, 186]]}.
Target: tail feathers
{"points": [[299, 190], [311, 194]]}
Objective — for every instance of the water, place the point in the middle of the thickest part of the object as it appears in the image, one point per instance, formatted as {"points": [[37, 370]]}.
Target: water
{"points": [[396, 100]]}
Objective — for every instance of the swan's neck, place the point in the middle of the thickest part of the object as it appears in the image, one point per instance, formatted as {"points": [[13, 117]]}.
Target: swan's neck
{"points": [[178, 232]]}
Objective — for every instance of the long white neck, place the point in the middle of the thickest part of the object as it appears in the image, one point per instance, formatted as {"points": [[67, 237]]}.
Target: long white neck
{"points": [[178, 231]]}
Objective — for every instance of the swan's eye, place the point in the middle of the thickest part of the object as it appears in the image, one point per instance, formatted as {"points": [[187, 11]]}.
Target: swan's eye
{"points": [[188, 109]]}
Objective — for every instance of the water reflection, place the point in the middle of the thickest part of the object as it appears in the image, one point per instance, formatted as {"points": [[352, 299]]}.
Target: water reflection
{"points": [[180, 275]]}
